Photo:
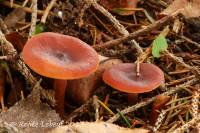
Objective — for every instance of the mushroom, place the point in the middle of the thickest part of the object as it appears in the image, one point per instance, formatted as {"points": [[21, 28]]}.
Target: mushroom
{"points": [[80, 90], [127, 77], [60, 57]]}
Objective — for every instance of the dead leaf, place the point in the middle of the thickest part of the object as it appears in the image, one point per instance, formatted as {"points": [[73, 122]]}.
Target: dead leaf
{"points": [[17, 40], [80, 90], [158, 104], [15, 93], [96, 127], [29, 117], [189, 8], [15, 16], [8, 128]]}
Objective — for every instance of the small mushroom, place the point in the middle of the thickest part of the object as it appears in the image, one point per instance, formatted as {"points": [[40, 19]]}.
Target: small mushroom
{"points": [[60, 57], [125, 77]]}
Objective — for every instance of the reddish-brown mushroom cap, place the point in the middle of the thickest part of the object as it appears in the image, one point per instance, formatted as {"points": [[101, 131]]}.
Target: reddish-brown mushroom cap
{"points": [[123, 77], [59, 56]]}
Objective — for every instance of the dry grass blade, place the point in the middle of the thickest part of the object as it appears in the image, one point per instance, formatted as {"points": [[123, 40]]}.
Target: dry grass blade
{"points": [[144, 103], [192, 122], [106, 107]]}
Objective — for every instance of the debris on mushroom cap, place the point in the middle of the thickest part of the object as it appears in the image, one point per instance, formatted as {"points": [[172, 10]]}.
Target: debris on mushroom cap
{"points": [[60, 56], [123, 77]]}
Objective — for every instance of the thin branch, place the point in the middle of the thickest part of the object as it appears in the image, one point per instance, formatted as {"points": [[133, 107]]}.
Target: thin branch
{"points": [[11, 3], [120, 28], [188, 40], [144, 103], [34, 18], [79, 111], [135, 34], [181, 62], [48, 9], [192, 122], [25, 2], [26, 9]]}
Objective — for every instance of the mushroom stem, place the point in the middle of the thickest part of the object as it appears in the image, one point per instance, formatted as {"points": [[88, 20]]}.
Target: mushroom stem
{"points": [[59, 87], [132, 98]]}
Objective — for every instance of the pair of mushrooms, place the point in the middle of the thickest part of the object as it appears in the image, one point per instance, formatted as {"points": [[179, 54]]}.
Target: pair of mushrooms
{"points": [[65, 58]]}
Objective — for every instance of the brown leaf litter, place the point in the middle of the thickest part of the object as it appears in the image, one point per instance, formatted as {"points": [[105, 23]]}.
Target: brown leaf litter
{"points": [[97, 127], [189, 8], [28, 116]]}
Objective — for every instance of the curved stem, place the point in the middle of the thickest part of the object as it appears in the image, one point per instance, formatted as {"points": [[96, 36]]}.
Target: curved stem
{"points": [[59, 87]]}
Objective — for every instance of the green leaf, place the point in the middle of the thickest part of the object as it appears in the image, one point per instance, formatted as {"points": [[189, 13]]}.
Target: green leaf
{"points": [[159, 45], [39, 28]]}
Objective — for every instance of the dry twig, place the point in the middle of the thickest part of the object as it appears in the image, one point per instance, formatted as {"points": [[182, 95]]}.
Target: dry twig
{"points": [[192, 122], [181, 62], [11, 3], [25, 2], [189, 40], [120, 28], [46, 12], [34, 18], [144, 103], [29, 10], [96, 107], [135, 34], [77, 112]]}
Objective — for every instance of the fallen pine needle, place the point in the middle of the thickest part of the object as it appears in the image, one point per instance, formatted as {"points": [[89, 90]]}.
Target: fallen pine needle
{"points": [[106, 107]]}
